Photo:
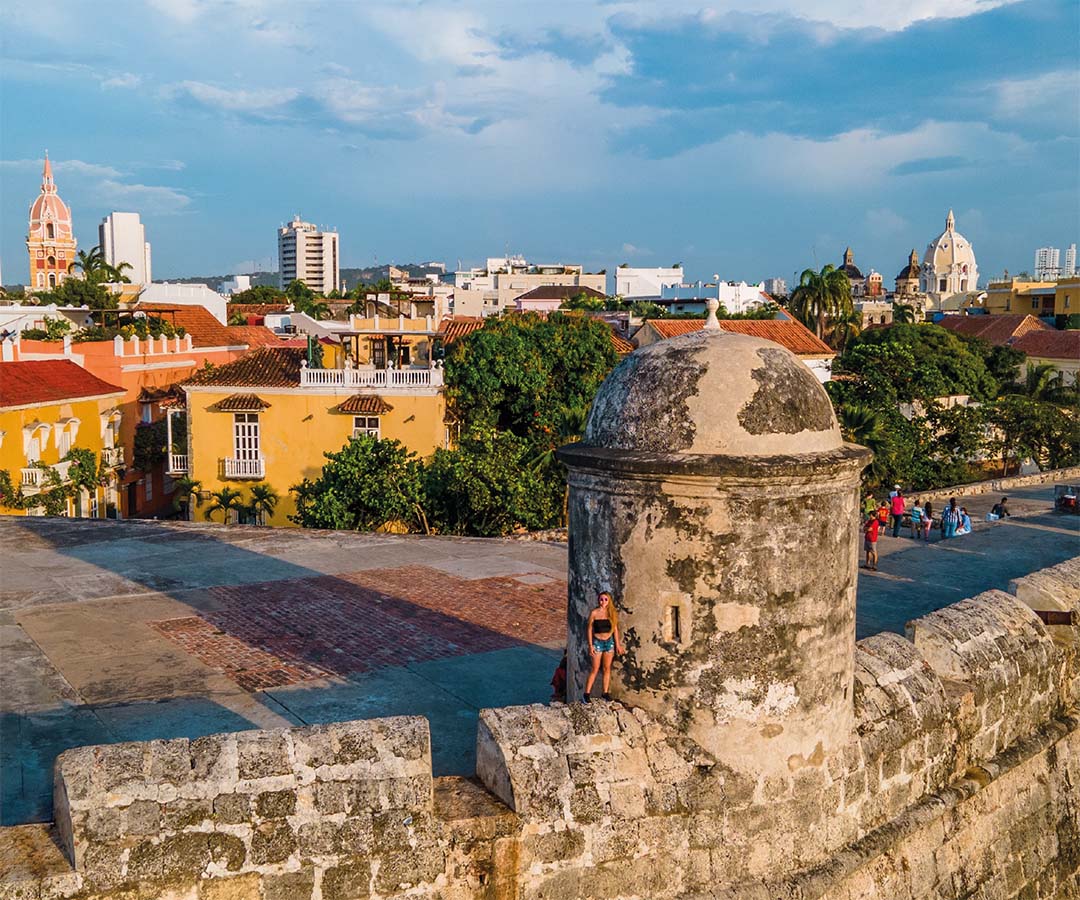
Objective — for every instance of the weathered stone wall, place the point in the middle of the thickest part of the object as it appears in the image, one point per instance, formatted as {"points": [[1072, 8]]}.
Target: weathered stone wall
{"points": [[959, 780]]}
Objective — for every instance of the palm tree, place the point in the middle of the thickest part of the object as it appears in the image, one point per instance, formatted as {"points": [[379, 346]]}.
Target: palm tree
{"points": [[183, 491], [1044, 382], [263, 500], [571, 427], [91, 263], [862, 425], [843, 327], [903, 314], [226, 500], [821, 296], [115, 274]]}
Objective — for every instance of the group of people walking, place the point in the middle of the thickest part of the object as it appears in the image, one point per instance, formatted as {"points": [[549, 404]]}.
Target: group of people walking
{"points": [[952, 521]]}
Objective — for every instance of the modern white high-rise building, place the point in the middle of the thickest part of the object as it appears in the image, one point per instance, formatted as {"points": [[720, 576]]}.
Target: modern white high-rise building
{"points": [[1069, 269], [1047, 263], [308, 255], [122, 239]]}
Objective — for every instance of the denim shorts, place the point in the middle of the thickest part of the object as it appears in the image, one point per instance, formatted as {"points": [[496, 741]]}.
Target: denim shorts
{"points": [[603, 645]]}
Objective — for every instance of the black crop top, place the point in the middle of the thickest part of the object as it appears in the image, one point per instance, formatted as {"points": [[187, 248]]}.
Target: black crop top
{"points": [[601, 625]]}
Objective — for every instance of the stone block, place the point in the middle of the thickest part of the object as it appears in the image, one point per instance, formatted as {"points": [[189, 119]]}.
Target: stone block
{"points": [[185, 854], [232, 809], [227, 850], [275, 804], [348, 881], [290, 885], [181, 814], [331, 797], [240, 887], [262, 754], [272, 842], [168, 762], [554, 846], [142, 817], [319, 839]]}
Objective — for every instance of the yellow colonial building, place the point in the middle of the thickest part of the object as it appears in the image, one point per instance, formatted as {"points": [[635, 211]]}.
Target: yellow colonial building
{"points": [[270, 416], [48, 408]]}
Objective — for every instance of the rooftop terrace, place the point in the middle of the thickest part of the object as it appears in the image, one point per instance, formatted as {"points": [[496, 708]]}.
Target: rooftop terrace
{"points": [[113, 631]]}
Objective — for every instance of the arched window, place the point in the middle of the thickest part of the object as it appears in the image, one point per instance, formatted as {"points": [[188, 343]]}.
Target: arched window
{"points": [[41, 279], [50, 232], [51, 261], [52, 279]]}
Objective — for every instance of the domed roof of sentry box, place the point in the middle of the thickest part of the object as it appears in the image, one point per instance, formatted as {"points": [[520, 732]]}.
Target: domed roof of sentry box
{"points": [[716, 393]]}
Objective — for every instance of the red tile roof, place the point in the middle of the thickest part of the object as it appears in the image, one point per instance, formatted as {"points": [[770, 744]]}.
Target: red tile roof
{"points": [[622, 345], [257, 309], [241, 403], [371, 405], [269, 367], [255, 336], [48, 381], [789, 333], [1050, 344], [198, 321], [457, 327], [998, 330]]}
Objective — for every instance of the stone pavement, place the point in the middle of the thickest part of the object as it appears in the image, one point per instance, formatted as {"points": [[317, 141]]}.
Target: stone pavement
{"points": [[113, 631]]}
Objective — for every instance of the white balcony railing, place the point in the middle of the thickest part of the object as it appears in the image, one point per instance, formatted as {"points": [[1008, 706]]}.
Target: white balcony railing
{"points": [[113, 456], [178, 464], [372, 378], [33, 477], [245, 468]]}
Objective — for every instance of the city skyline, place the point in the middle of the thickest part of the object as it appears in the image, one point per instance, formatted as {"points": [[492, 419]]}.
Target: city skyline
{"points": [[753, 145]]}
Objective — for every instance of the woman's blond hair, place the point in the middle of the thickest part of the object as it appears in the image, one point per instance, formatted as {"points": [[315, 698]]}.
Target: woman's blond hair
{"points": [[613, 613]]}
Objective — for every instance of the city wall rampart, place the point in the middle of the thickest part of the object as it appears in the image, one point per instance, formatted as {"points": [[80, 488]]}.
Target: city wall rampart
{"points": [[959, 781]]}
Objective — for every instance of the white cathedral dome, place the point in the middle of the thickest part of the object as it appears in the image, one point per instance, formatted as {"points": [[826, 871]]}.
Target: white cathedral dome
{"points": [[949, 265]]}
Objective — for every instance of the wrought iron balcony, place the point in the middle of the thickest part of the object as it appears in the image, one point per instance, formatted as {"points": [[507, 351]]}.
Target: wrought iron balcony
{"points": [[244, 468]]}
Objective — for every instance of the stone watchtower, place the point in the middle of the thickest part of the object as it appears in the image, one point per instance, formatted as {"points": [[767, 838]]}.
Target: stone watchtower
{"points": [[713, 495]]}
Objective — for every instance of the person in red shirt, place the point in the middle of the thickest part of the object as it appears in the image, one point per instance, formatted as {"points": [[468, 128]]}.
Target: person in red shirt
{"points": [[870, 536], [896, 508]]}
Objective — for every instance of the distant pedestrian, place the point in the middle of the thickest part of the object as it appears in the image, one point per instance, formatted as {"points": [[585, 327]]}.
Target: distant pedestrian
{"points": [[895, 490], [950, 519], [558, 681], [928, 520], [916, 519], [871, 528], [604, 642], [965, 522], [869, 504], [1001, 509], [897, 511], [883, 515]]}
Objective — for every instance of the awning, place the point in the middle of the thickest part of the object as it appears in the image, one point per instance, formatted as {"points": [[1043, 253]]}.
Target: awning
{"points": [[241, 403], [364, 404]]}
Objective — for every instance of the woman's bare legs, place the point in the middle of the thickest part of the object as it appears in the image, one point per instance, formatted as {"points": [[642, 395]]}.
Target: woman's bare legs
{"points": [[595, 668], [607, 657]]}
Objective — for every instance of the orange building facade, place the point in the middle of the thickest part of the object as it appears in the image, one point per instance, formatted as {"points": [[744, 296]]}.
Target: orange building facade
{"points": [[50, 240], [146, 370]]}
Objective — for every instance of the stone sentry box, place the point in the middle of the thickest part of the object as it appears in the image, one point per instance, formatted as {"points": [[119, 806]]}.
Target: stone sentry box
{"points": [[713, 495]]}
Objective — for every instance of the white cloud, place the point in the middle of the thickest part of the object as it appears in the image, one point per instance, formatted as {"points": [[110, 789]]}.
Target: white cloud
{"points": [[633, 250], [1050, 96], [126, 80], [235, 100], [145, 198], [60, 167]]}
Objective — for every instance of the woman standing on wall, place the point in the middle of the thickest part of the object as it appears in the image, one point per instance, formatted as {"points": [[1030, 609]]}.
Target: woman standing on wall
{"points": [[604, 642]]}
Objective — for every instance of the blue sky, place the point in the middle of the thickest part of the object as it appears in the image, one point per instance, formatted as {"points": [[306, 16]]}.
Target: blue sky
{"points": [[745, 138]]}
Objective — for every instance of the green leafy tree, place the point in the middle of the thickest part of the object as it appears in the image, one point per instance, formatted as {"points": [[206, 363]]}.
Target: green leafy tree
{"points": [[81, 292], [487, 487], [237, 318], [821, 296], [11, 495], [570, 428], [584, 301], [844, 327], [260, 294], [298, 292], [368, 484], [224, 501], [150, 445], [646, 309], [1043, 382], [264, 500], [115, 274], [861, 424], [521, 373], [1022, 428]]}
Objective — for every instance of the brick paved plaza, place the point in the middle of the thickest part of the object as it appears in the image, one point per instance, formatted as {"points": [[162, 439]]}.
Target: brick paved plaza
{"points": [[119, 631]]}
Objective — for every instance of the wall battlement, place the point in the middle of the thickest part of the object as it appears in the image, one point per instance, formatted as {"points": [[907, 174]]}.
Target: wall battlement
{"points": [[959, 780]]}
